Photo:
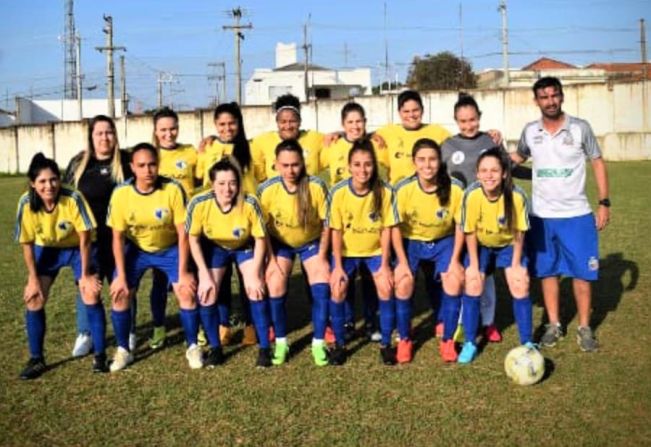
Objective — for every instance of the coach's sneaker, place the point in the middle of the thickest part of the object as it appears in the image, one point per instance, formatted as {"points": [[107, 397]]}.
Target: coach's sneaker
{"points": [[337, 355], [249, 338], [99, 363], [468, 352], [201, 337], [281, 352], [448, 351], [157, 339], [121, 359], [553, 333], [225, 335], [319, 353], [388, 355], [83, 345], [194, 355], [34, 368], [586, 340], [405, 351], [133, 341], [492, 334], [264, 358], [214, 357], [372, 332]]}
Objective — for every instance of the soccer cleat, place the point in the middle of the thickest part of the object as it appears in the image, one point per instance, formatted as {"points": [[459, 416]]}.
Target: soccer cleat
{"points": [[133, 341], [388, 355], [83, 345], [329, 336], [99, 363], [34, 368], [349, 333], [448, 351], [201, 337], [248, 337], [281, 352], [530, 345], [225, 335], [468, 352], [586, 340], [438, 330], [492, 334], [337, 355], [194, 356], [214, 357], [405, 351], [157, 339], [272, 334], [553, 333], [121, 359], [319, 353], [264, 358]]}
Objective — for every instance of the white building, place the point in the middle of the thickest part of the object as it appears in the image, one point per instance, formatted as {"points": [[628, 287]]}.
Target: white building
{"points": [[266, 84], [46, 110]]}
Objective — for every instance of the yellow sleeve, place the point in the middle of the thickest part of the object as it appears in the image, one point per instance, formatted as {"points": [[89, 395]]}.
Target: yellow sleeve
{"points": [[24, 232], [115, 217], [257, 221], [322, 200], [441, 134], [324, 156], [401, 200], [390, 215], [193, 221], [521, 211], [318, 146], [194, 161], [201, 166], [383, 155], [83, 218], [469, 212], [334, 213], [257, 155], [177, 203], [264, 196], [456, 199]]}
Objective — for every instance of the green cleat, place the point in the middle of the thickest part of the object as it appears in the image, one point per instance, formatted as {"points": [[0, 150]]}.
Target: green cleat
{"points": [[280, 353], [319, 353], [157, 339]]}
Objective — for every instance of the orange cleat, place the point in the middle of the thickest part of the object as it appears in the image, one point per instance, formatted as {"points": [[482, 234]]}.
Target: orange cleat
{"points": [[448, 351], [492, 334], [405, 351], [330, 336], [438, 330]]}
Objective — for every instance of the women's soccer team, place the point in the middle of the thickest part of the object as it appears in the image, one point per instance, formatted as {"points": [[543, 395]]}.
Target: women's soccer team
{"points": [[195, 216]]}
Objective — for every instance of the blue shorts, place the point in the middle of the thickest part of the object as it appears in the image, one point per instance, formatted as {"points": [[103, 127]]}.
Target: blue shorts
{"points": [[352, 264], [304, 252], [138, 261], [217, 257], [438, 251], [49, 260], [491, 258], [564, 246]]}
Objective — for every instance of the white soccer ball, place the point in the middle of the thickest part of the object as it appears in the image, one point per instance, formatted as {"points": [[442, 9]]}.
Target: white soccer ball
{"points": [[524, 365]]}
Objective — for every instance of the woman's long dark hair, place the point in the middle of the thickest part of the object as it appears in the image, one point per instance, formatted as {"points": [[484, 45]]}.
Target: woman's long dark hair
{"points": [[507, 182], [303, 191], [39, 163], [375, 184], [443, 180], [241, 149]]}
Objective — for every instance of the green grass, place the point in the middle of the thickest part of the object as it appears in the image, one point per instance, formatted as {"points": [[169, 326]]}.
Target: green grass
{"points": [[587, 399]]}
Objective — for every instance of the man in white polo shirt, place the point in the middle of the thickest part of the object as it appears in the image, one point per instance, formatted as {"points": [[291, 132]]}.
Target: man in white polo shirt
{"points": [[563, 237]]}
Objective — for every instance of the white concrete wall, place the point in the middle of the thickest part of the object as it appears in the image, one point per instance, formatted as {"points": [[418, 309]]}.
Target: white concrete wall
{"points": [[619, 114], [45, 110]]}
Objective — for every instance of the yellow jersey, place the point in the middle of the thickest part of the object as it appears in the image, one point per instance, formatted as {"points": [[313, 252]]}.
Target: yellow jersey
{"points": [[58, 228], [400, 142], [179, 164], [422, 217], [280, 209], [487, 219], [148, 220], [211, 155], [232, 229], [263, 152], [335, 158], [358, 221]]}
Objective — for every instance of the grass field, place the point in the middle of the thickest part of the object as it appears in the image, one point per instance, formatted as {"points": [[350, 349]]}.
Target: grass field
{"points": [[586, 399]]}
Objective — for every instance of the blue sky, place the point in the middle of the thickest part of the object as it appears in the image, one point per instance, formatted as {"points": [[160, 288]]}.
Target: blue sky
{"points": [[183, 37]]}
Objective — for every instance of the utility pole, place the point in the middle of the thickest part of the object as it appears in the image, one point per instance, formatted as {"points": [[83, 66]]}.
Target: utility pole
{"points": [[109, 49], [386, 52], [505, 42], [69, 63], [346, 53], [645, 105], [306, 49], [123, 87], [163, 78], [220, 82], [643, 45], [239, 36], [79, 77]]}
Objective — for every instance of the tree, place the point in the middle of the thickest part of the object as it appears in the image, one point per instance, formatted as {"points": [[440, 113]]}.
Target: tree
{"points": [[442, 71]]}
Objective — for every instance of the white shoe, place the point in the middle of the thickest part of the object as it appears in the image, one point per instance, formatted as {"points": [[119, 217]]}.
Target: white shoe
{"points": [[121, 359], [133, 341], [83, 345], [194, 356]]}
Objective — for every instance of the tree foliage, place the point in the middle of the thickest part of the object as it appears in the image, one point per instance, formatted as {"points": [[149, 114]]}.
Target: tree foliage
{"points": [[442, 71]]}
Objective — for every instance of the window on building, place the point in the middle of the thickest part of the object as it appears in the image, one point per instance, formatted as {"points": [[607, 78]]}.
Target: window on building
{"points": [[322, 93]]}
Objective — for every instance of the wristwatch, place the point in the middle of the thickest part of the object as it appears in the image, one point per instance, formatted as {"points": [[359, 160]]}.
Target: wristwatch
{"points": [[605, 202]]}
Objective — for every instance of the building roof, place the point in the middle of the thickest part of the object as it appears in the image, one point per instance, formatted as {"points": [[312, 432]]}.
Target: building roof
{"points": [[299, 66], [624, 70], [546, 63]]}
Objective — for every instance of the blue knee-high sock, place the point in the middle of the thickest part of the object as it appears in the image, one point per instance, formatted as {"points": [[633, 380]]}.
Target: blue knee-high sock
{"points": [[190, 323], [522, 310], [35, 322], [387, 319], [349, 303], [97, 323], [121, 326], [210, 320], [403, 318], [260, 317], [133, 311], [321, 298], [278, 315], [224, 300], [470, 316], [451, 306], [338, 319], [82, 319], [158, 299]]}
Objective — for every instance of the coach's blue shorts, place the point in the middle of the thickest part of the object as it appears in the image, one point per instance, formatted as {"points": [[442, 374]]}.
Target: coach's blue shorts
{"points": [[438, 251], [49, 260], [304, 252], [564, 246], [352, 264], [218, 257], [138, 261], [491, 258]]}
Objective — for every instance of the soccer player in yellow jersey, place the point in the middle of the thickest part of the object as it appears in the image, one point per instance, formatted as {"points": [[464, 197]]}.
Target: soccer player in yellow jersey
{"points": [[288, 121], [361, 213], [147, 214], [494, 220], [225, 226], [54, 226], [294, 205], [429, 204]]}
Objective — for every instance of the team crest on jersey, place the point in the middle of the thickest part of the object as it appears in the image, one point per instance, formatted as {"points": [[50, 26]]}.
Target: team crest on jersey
{"points": [[441, 213], [501, 220], [374, 216], [593, 264], [64, 227], [238, 232], [161, 213], [340, 172], [104, 171], [458, 157], [398, 155], [181, 164], [568, 140]]}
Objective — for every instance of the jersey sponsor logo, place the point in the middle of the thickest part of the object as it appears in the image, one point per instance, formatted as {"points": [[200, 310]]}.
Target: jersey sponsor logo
{"points": [[161, 213], [458, 157], [181, 164], [554, 173], [593, 264]]}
